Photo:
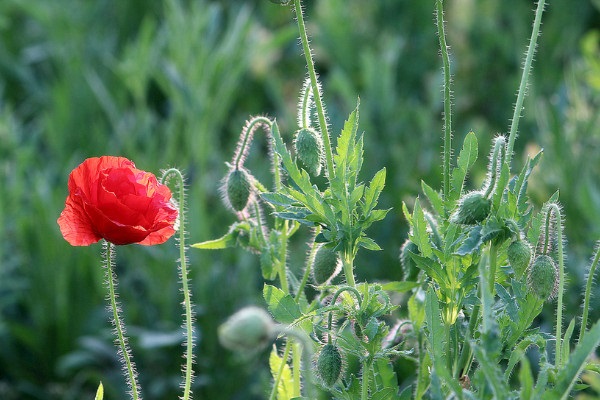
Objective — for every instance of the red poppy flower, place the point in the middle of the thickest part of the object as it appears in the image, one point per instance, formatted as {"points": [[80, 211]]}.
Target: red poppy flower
{"points": [[111, 199]]}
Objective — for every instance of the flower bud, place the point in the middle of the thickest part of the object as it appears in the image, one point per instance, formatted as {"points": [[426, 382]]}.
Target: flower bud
{"points": [[543, 277], [410, 271], [329, 364], [309, 150], [473, 208], [326, 265], [238, 188], [519, 256], [248, 329]]}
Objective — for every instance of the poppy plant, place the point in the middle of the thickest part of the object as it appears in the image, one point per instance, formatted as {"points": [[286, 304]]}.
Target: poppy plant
{"points": [[109, 198]]}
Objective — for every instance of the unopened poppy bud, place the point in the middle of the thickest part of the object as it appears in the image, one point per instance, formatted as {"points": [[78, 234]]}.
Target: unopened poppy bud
{"points": [[473, 208], [519, 256], [543, 277], [248, 329], [238, 188], [329, 364], [410, 271], [326, 265], [309, 150]]}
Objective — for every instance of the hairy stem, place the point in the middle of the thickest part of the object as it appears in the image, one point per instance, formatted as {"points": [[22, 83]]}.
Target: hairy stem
{"points": [[315, 89], [514, 126], [447, 96], [588, 291], [246, 139], [125, 352], [348, 267], [554, 208], [309, 262]]}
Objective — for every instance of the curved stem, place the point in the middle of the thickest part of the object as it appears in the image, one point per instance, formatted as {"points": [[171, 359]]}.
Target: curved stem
{"points": [[588, 291], [246, 139], [447, 96], [315, 88], [514, 126], [183, 276], [125, 352]]}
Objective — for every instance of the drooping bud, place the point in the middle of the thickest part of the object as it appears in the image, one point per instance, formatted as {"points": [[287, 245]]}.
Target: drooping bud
{"points": [[543, 277], [326, 265], [309, 150], [519, 256], [410, 271], [473, 208], [238, 188], [248, 329], [329, 365]]}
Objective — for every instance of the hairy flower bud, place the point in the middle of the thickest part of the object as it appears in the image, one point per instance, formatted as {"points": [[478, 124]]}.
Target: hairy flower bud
{"points": [[326, 265], [473, 208], [248, 329], [410, 271], [329, 364], [238, 188], [543, 277], [519, 256], [309, 149]]}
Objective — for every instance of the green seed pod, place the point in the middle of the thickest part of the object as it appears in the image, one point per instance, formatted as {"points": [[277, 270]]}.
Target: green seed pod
{"points": [[326, 265], [543, 277], [473, 208], [248, 329], [309, 150], [519, 256], [238, 188], [410, 271], [329, 365]]}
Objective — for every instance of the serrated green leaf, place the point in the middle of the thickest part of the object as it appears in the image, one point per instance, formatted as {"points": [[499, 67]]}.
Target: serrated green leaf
{"points": [[400, 286], [568, 375], [416, 312], [285, 389], [518, 353], [466, 158], [385, 394], [526, 380], [279, 199], [432, 268], [227, 240], [368, 243], [99, 392], [434, 197], [420, 235], [566, 346], [492, 372], [374, 190], [282, 306], [472, 243]]}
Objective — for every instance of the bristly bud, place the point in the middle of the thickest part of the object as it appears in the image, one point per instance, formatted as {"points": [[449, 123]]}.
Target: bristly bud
{"points": [[247, 330], [281, 2], [543, 277], [472, 208], [410, 271], [309, 150], [326, 265], [329, 365], [519, 256], [238, 188]]}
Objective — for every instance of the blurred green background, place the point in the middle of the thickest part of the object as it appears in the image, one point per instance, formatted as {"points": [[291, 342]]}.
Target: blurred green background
{"points": [[170, 83]]}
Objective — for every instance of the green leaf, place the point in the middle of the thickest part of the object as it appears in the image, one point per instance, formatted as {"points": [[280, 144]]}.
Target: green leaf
{"points": [[279, 199], [434, 197], [492, 372], [466, 159], [566, 346], [432, 268], [472, 243], [227, 240], [282, 306], [568, 375], [400, 286], [99, 392], [526, 380], [518, 353], [285, 389], [374, 190], [420, 235], [416, 312], [368, 243], [386, 379]]}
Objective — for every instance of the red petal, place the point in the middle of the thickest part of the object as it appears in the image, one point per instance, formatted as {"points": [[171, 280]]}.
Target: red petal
{"points": [[75, 226]]}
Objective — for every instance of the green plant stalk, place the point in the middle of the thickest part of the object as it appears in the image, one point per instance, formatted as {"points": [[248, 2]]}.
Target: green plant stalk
{"points": [[315, 89], [348, 267], [553, 207], [247, 135], [111, 281], [283, 256], [514, 126], [466, 356], [284, 357], [307, 269], [588, 291], [447, 96], [493, 268], [183, 276], [366, 367]]}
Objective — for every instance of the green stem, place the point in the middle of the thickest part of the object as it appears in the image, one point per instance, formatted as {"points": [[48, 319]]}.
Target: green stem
{"points": [[466, 356], [283, 257], [315, 88], [554, 208], [183, 276], [514, 126], [247, 134], [111, 281], [307, 269], [588, 291], [348, 267], [365, 380], [493, 268], [447, 96]]}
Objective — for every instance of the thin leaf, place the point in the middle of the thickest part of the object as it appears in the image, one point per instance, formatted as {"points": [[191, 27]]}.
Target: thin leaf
{"points": [[374, 190], [368, 244], [434, 197], [466, 159], [420, 235], [99, 392], [526, 380], [400, 286], [227, 240], [279, 199], [285, 389]]}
